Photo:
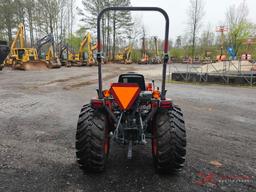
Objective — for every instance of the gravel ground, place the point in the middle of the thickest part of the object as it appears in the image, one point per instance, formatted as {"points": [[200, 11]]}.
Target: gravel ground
{"points": [[38, 116]]}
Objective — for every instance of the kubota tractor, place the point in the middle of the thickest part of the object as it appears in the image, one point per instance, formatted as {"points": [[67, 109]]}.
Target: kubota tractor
{"points": [[131, 112]]}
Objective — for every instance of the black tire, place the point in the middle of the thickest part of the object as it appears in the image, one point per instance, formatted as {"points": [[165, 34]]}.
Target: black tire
{"points": [[92, 139], [169, 141]]}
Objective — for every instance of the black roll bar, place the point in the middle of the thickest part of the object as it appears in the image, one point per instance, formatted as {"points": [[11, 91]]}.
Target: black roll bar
{"points": [[166, 42]]}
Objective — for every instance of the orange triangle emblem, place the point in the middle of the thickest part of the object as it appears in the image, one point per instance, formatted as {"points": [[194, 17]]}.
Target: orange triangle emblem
{"points": [[125, 94]]}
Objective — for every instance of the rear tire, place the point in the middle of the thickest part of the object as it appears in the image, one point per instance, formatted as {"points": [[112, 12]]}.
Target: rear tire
{"points": [[169, 141], [92, 139]]}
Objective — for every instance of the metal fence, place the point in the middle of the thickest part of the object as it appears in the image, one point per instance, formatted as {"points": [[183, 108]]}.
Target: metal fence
{"points": [[228, 72]]}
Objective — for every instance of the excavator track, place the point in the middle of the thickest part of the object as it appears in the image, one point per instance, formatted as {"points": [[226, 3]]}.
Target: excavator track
{"points": [[54, 63]]}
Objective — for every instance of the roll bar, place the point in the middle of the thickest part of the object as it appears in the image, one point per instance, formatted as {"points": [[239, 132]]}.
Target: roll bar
{"points": [[166, 42]]}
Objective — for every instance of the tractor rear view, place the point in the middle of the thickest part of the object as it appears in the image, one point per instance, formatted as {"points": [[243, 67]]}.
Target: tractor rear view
{"points": [[131, 112]]}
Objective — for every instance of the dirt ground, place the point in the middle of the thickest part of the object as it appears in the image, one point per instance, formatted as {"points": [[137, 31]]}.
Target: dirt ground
{"points": [[38, 116]]}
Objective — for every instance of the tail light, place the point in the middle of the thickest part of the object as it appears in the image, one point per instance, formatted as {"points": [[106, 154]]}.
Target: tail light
{"points": [[166, 104], [96, 104]]}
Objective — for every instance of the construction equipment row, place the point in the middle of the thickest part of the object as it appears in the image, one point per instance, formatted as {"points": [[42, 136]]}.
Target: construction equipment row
{"points": [[84, 57], [34, 58], [23, 58]]}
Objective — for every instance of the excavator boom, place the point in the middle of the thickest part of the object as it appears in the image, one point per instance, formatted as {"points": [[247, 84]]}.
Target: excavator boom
{"points": [[19, 36]]}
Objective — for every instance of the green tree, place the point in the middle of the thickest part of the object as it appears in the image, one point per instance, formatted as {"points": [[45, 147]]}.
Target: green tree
{"points": [[239, 27]]}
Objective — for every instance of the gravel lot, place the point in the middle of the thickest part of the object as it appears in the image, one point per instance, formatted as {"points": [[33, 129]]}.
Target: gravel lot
{"points": [[38, 116]]}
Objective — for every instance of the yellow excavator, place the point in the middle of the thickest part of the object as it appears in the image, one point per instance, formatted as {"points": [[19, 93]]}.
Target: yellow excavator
{"points": [[128, 55], [23, 58], [67, 56], [50, 58], [124, 57], [85, 57], [119, 57]]}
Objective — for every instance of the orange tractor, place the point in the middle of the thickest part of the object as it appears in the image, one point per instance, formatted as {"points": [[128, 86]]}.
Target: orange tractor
{"points": [[132, 113]]}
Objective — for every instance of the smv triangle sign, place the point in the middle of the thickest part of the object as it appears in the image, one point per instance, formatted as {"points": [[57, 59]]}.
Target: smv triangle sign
{"points": [[125, 94]]}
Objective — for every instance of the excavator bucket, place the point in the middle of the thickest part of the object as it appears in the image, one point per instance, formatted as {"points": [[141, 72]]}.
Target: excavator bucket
{"points": [[31, 66]]}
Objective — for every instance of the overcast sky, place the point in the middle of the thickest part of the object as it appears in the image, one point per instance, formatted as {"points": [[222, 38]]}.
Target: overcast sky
{"points": [[177, 10]]}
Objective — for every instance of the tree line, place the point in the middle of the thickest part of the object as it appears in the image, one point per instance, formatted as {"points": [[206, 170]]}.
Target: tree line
{"points": [[41, 17], [115, 25], [207, 43]]}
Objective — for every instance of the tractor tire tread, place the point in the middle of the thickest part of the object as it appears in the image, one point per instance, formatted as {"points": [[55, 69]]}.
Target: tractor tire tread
{"points": [[90, 137], [171, 141]]}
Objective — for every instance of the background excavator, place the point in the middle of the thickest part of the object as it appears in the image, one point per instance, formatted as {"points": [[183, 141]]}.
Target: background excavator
{"points": [[156, 59], [85, 56], [23, 58], [124, 57], [145, 57], [66, 55], [49, 57], [127, 55]]}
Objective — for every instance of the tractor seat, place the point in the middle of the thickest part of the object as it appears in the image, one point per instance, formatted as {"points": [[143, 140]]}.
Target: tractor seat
{"points": [[133, 78]]}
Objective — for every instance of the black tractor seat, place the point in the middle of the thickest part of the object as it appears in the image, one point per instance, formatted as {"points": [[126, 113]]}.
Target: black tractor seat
{"points": [[132, 77]]}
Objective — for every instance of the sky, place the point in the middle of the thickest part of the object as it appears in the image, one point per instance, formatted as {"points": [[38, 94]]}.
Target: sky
{"points": [[177, 10]]}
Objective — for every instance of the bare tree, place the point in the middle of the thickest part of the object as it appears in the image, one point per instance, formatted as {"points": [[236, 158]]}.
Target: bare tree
{"points": [[195, 16], [117, 23], [178, 42], [207, 41], [7, 13]]}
